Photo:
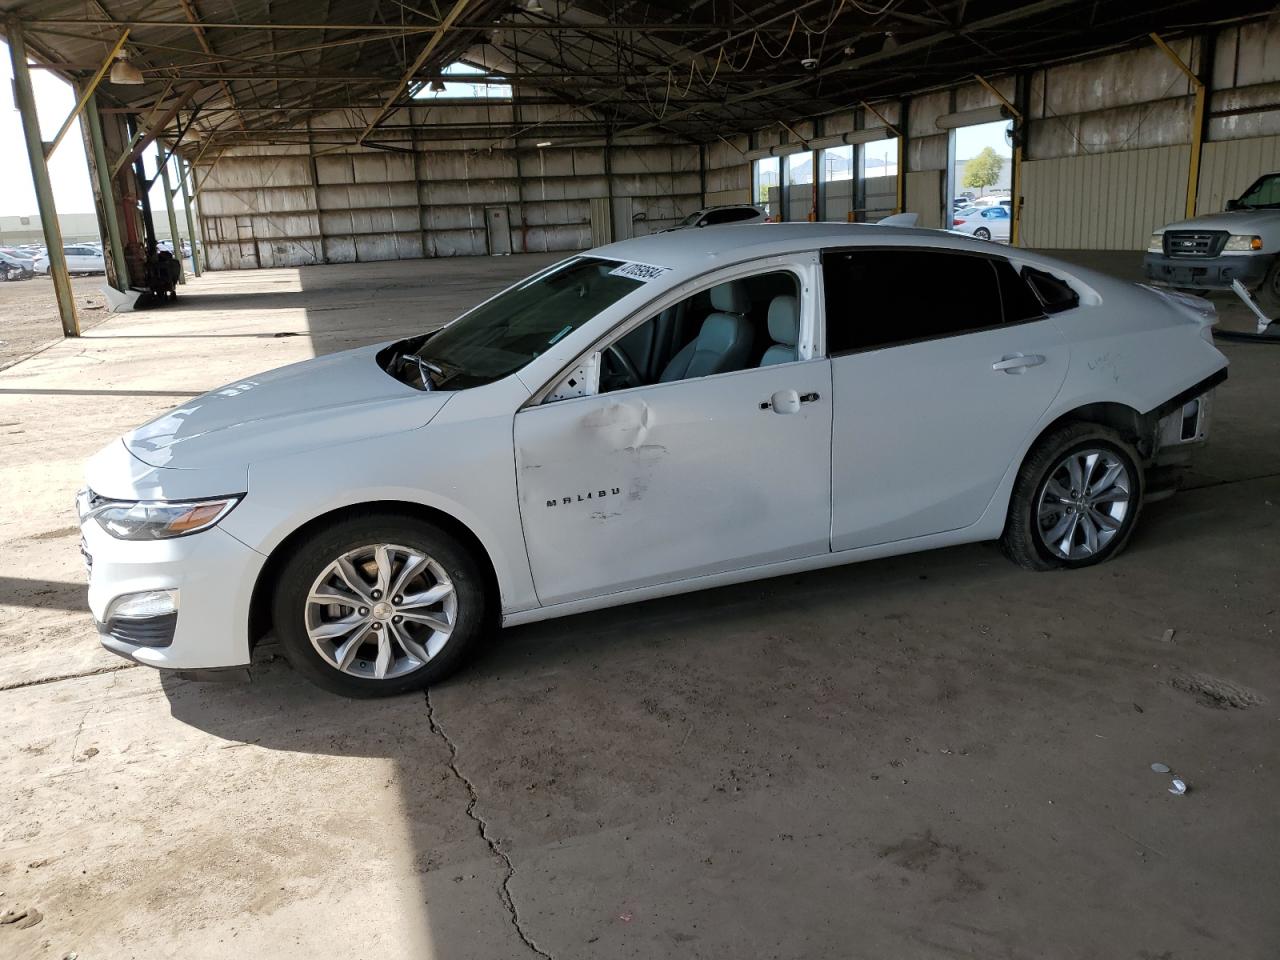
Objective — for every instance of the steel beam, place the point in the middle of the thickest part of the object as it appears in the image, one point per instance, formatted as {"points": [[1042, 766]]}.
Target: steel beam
{"points": [[36, 23], [459, 7], [162, 161], [106, 190], [183, 172], [150, 130], [86, 93], [1197, 119], [25, 97]]}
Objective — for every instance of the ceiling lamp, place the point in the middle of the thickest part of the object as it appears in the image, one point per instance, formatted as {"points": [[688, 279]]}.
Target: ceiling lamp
{"points": [[124, 72], [437, 86], [533, 6]]}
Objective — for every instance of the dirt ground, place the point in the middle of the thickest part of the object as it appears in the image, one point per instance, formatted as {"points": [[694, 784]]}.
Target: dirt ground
{"points": [[29, 314], [930, 756]]}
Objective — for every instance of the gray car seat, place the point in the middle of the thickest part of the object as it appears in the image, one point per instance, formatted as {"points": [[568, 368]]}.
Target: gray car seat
{"points": [[784, 328], [723, 343]]}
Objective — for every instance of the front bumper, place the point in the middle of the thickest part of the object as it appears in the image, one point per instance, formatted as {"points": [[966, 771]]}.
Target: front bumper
{"points": [[213, 575], [1208, 273]]}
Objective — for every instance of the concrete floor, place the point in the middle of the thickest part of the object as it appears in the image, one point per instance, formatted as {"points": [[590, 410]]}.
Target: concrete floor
{"points": [[929, 756]]}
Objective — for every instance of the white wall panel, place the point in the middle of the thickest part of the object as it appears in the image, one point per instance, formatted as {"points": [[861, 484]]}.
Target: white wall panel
{"points": [[1227, 168], [1104, 201]]}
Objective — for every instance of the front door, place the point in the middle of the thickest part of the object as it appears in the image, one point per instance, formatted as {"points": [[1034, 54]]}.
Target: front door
{"points": [[942, 364], [685, 469]]}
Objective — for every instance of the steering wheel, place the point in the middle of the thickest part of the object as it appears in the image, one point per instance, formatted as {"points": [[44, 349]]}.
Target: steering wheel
{"points": [[627, 368]]}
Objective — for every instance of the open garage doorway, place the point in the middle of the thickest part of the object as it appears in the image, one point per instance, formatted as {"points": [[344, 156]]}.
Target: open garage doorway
{"points": [[980, 180]]}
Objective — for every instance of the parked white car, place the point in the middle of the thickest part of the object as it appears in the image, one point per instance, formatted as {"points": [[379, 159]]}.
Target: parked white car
{"points": [[81, 259], [655, 416], [721, 216], [985, 223]]}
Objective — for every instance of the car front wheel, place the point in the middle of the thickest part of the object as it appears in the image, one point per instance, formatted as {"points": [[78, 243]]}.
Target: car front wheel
{"points": [[380, 604], [1076, 499]]}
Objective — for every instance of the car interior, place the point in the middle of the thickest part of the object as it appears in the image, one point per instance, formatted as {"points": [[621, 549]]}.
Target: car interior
{"points": [[752, 322]]}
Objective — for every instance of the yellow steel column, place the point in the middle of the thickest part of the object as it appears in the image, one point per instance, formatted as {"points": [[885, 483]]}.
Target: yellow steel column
{"points": [[1197, 124]]}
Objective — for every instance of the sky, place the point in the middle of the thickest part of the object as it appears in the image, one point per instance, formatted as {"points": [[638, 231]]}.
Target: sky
{"points": [[971, 140], [67, 168]]}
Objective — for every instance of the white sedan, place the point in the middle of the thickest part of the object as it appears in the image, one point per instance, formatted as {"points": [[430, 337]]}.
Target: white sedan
{"points": [[81, 259], [985, 223], [655, 416]]}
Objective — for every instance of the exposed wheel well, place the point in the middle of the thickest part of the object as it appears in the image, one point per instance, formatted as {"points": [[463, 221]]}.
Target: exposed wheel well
{"points": [[1137, 428], [260, 604]]}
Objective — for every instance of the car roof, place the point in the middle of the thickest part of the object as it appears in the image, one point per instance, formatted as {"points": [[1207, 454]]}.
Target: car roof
{"points": [[735, 242]]}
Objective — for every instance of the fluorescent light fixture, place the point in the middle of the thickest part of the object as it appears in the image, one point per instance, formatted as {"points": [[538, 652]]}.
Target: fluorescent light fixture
{"points": [[544, 143]]}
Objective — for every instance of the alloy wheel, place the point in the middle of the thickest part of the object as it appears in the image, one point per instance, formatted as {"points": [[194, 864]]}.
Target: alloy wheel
{"points": [[1083, 504], [381, 611]]}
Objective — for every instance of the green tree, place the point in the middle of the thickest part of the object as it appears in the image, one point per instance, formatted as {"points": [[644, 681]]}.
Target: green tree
{"points": [[983, 170]]}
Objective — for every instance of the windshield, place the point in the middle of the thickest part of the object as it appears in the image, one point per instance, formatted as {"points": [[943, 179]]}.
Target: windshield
{"points": [[501, 336], [1265, 192], [691, 219]]}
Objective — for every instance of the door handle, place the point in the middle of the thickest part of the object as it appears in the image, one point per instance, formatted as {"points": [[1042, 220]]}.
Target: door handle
{"points": [[787, 401], [1016, 363]]}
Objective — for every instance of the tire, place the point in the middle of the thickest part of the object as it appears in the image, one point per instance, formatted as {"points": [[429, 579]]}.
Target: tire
{"points": [[982, 233], [1036, 531], [1268, 295], [468, 607]]}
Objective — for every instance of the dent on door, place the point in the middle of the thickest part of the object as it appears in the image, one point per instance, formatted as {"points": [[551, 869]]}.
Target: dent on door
{"points": [[675, 480]]}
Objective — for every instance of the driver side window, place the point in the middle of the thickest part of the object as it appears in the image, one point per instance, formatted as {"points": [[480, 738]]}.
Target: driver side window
{"points": [[745, 323]]}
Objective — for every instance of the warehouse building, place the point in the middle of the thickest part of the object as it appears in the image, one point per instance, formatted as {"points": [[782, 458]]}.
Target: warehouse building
{"points": [[926, 754]]}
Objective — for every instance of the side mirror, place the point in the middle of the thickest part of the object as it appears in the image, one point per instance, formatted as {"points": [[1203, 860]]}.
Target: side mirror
{"points": [[1233, 204]]}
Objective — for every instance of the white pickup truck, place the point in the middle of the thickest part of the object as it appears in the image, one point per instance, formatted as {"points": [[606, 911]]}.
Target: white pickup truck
{"points": [[1209, 252]]}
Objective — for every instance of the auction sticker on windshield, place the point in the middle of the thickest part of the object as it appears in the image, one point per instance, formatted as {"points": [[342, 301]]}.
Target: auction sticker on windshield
{"points": [[639, 271]]}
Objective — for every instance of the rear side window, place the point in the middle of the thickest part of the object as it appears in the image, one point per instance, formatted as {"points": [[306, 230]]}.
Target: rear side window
{"points": [[1020, 303], [1054, 293], [875, 298]]}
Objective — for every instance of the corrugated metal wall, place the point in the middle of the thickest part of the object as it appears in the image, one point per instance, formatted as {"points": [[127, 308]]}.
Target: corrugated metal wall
{"points": [[282, 206], [1103, 201], [1227, 168], [1108, 137]]}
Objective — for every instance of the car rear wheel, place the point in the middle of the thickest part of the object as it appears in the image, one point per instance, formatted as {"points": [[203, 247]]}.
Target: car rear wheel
{"points": [[1076, 499], [380, 604], [982, 233]]}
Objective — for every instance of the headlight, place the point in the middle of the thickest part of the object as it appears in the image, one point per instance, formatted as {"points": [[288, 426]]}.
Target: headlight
{"points": [[1156, 243], [1241, 243], [159, 519]]}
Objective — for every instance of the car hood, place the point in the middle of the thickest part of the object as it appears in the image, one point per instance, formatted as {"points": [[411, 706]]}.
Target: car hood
{"points": [[322, 402], [1235, 221]]}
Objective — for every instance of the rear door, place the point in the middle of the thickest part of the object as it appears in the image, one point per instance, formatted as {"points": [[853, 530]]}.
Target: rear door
{"points": [[941, 363]]}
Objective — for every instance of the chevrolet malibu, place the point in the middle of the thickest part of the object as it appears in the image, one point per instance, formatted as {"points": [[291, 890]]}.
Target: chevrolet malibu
{"points": [[654, 416]]}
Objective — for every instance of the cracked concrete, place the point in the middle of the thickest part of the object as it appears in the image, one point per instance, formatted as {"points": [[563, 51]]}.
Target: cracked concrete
{"points": [[482, 828], [919, 757]]}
